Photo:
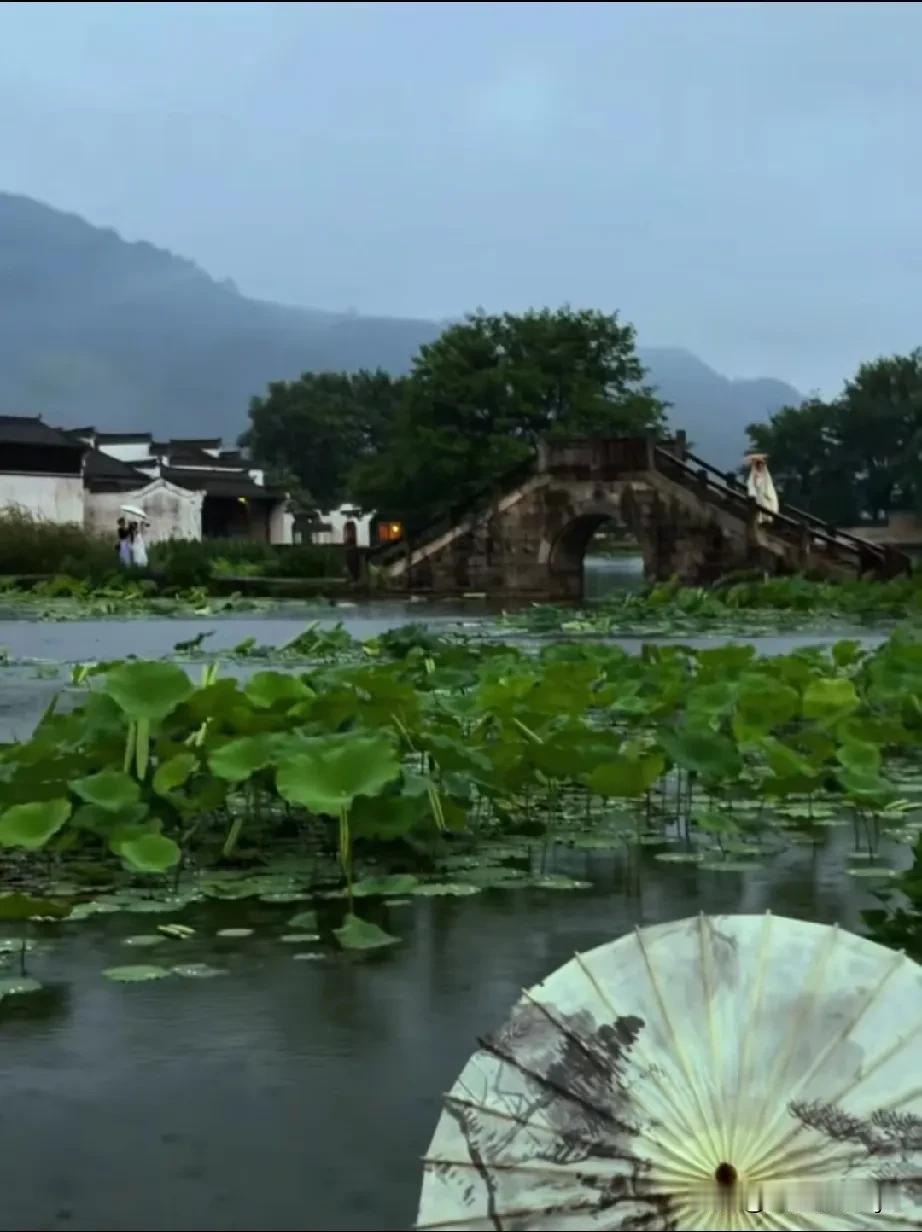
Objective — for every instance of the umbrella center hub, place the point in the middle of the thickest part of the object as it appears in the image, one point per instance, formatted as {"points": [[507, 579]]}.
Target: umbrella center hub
{"points": [[725, 1175]]}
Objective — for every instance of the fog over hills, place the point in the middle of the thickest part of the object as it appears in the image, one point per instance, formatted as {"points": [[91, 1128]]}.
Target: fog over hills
{"points": [[96, 330]]}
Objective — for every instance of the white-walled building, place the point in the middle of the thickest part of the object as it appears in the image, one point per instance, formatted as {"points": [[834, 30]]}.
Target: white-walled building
{"points": [[347, 524], [41, 470], [188, 489]]}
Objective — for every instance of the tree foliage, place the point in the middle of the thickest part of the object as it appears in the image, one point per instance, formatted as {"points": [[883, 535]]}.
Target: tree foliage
{"points": [[857, 457], [309, 433], [480, 397]]}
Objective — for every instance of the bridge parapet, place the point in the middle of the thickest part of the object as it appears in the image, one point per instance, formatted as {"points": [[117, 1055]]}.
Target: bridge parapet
{"points": [[605, 458]]}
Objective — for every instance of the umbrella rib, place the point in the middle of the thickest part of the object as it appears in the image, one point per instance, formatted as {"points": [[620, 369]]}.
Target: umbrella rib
{"points": [[692, 1171], [746, 1042], [779, 1147], [759, 1144], [668, 1095], [679, 1050], [813, 984], [706, 945]]}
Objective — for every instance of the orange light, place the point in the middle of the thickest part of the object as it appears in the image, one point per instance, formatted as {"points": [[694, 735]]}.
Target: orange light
{"points": [[395, 528]]}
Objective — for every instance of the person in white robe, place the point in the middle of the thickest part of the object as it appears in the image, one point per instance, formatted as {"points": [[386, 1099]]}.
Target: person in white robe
{"points": [[761, 487]]}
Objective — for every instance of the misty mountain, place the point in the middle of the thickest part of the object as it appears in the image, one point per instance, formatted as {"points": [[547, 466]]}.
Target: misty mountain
{"points": [[126, 336], [713, 409]]}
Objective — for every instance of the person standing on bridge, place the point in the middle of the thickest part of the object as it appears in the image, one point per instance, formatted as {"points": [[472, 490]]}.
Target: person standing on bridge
{"points": [[760, 486]]}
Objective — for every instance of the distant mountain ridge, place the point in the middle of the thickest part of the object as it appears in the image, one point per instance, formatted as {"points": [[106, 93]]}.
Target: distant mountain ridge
{"points": [[127, 336]]}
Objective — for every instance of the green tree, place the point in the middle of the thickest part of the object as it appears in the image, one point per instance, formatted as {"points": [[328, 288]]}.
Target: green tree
{"points": [[881, 433], [857, 457], [313, 429], [481, 396], [804, 448]]}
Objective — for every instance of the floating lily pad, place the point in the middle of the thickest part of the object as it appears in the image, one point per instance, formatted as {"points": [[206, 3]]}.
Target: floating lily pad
{"points": [[871, 871], [729, 866], [284, 896], [397, 884], [359, 934], [557, 881], [305, 956], [653, 840], [495, 878], [136, 973], [398, 902], [197, 971], [295, 938], [144, 940], [234, 932], [17, 985], [304, 919], [83, 911], [680, 857], [181, 932], [13, 945], [435, 889]]}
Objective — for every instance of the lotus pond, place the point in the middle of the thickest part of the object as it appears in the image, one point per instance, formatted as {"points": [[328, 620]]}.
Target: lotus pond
{"points": [[264, 888]]}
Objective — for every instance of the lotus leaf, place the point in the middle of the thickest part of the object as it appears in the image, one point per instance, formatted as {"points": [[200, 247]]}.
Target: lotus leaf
{"points": [[626, 776], [358, 934], [135, 973], [329, 773], [32, 825], [829, 699], [173, 772], [147, 690], [112, 790], [18, 906], [150, 853], [398, 883], [17, 985], [238, 759], [266, 689]]}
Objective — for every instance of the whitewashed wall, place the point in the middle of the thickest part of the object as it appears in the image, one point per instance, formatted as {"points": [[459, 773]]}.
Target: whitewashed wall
{"points": [[53, 498], [127, 451], [281, 524], [337, 519], [173, 513]]}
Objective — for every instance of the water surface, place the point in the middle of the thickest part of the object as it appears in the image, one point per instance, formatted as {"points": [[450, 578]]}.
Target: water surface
{"points": [[301, 1095]]}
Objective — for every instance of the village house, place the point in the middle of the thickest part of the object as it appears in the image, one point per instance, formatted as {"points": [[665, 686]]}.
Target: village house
{"points": [[188, 489]]}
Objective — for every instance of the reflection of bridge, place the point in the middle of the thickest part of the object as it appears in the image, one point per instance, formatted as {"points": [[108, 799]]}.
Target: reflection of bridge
{"points": [[691, 521]]}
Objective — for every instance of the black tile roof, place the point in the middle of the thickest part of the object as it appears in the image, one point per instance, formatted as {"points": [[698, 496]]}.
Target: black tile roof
{"points": [[30, 430], [219, 483], [98, 465]]}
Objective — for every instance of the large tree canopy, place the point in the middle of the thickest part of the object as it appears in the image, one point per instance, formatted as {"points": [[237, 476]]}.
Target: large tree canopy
{"points": [[310, 432], [480, 397], [859, 456]]}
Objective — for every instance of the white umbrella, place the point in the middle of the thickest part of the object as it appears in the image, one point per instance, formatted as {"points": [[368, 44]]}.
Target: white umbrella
{"points": [[134, 511], [725, 1072]]}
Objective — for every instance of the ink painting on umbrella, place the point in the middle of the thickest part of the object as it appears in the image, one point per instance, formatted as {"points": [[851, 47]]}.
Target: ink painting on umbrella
{"points": [[728, 1072]]}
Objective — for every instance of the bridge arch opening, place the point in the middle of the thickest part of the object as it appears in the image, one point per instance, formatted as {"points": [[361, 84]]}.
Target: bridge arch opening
{"points": [[595, 554]]}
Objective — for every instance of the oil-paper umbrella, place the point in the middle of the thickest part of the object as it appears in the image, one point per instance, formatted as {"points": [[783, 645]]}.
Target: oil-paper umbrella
{"points": [[725, 1072]]}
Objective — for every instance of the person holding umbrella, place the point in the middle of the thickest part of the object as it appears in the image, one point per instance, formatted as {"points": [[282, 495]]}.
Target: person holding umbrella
{"points": [[136, 551], [123, 547]]}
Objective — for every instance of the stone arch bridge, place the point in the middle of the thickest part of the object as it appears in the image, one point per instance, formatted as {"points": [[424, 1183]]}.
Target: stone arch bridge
{"points": [[690, 520]]}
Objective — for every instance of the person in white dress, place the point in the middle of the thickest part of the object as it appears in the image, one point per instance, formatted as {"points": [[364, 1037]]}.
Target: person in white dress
{"points": [[760, 485], [138, 550]]}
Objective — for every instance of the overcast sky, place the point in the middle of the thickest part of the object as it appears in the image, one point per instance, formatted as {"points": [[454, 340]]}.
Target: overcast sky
{"points": [[743, 180]]}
